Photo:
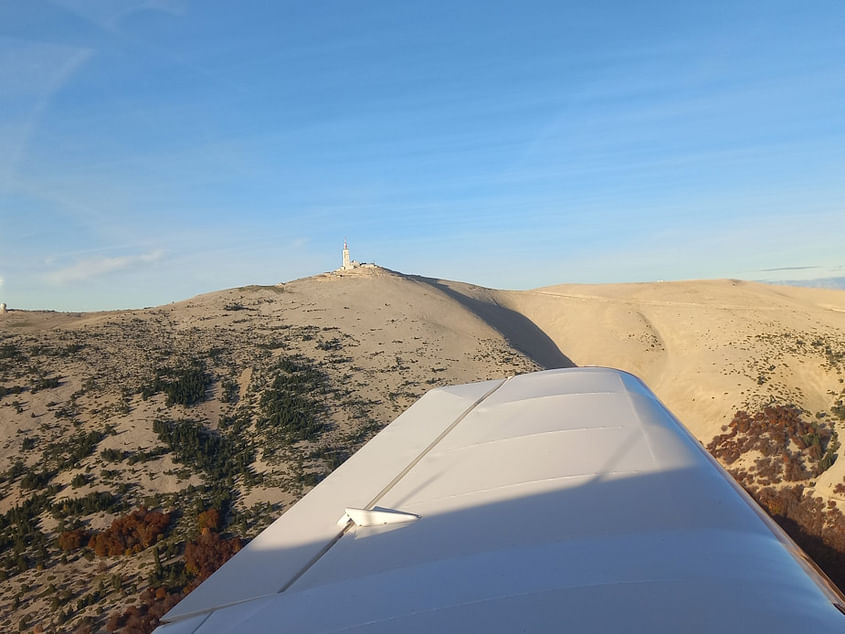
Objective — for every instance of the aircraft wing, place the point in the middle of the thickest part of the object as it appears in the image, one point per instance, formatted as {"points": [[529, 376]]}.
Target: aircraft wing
{"points": [[564, 500]]}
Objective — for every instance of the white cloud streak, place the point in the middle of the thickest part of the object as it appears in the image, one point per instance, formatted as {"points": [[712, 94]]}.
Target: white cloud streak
{"points": [[94, 267]]}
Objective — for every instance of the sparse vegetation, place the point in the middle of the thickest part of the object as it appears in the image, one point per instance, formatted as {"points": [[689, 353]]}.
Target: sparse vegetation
{"points": [[10, 351], [789, 447], [289, 408], [112, 455], [785, 448], [13, 389], [92, 503], [142, 456], [45, 383], [229, 389], [59, 456], [267, 396], [212, 452], [185, 385], [817, 527]]}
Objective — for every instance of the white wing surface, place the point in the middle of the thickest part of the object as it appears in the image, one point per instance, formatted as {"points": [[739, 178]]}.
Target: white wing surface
{"points": [[566, 500]]}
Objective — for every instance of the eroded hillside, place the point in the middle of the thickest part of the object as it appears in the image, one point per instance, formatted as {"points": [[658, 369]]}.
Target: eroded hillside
{"points": [[141, 448], [235, 403]]}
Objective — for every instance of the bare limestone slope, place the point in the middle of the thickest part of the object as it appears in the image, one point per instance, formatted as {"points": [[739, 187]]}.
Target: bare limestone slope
{"points": [[241, 400], [707, 348]]}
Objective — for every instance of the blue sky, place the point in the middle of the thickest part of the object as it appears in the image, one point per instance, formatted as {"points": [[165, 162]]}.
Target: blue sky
{"points": [[152, 150]]}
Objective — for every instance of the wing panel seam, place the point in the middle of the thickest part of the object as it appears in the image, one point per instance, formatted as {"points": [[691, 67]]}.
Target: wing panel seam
{"points": [[433, 444], [392, 484]]}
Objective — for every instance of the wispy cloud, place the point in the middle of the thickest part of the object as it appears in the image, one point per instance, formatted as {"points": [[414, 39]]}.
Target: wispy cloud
{"points": [[790, 268], [1, 281], [93, 267]]}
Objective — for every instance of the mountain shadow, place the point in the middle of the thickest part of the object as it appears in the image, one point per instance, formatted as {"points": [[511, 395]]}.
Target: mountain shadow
{"points": [[519, 331]]}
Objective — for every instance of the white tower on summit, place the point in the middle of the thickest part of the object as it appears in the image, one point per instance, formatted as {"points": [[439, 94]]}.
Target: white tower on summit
{"points": [[347, 264]]}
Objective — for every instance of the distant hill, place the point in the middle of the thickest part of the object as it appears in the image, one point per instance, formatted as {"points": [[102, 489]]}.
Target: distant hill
{"points": [[837, 283], [218, 412]]}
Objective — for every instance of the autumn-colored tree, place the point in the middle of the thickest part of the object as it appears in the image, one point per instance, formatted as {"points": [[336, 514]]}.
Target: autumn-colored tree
{"points": [[208, 553], [209, 519], [817, 527], [792, 451], [71, 540], [130, 533], [202, 557], [806, 449]]}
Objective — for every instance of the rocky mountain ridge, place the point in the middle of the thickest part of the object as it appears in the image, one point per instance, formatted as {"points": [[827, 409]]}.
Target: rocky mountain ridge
{"points": [[139, 448]]}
